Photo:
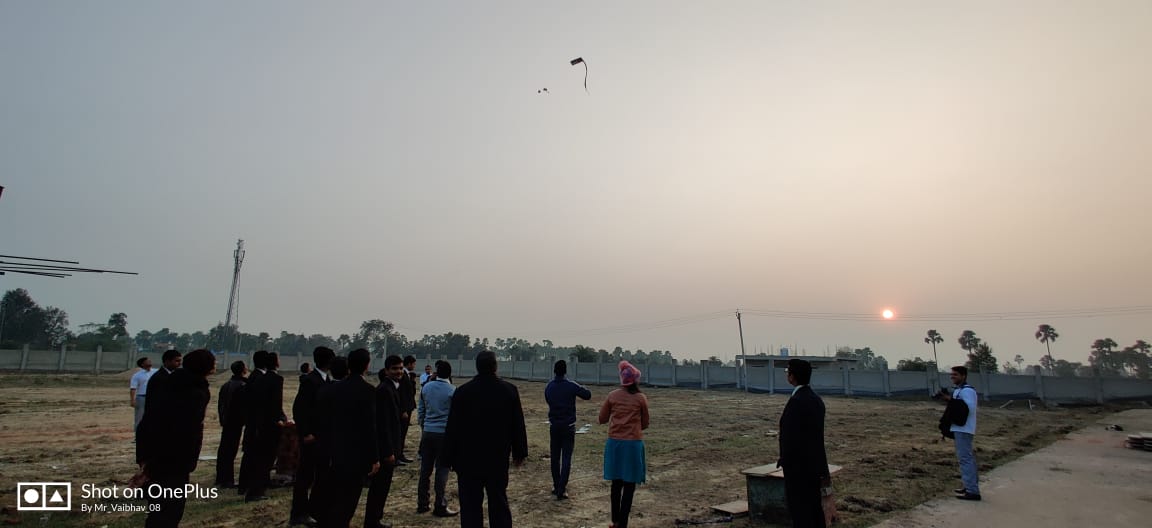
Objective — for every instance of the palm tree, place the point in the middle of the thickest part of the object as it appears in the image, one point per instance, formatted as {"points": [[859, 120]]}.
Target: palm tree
{"points": [[968, 341], [1047, 335], [933, 338]]}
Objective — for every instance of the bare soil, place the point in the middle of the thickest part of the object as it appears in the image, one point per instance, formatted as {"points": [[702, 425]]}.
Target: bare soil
{"points": [[79, 429]]}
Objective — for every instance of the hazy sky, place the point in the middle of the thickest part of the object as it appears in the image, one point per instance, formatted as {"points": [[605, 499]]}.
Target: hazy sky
{"points": [[396, 161]]}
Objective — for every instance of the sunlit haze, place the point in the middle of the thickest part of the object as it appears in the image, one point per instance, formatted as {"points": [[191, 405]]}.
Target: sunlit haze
{"points": [[395, 161]]}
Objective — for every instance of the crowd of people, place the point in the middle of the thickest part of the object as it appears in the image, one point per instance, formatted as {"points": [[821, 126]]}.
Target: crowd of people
{"points": [[351, 436]]}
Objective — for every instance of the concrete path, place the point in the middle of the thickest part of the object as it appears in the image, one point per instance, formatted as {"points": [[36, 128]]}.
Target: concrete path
{"points": [[1085, 479]]}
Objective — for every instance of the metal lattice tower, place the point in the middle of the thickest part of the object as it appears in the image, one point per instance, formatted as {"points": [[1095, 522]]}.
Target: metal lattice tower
{"points": [[234, 297]]}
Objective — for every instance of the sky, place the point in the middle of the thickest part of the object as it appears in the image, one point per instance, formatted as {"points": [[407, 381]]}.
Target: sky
{"points": [[384, 160]]}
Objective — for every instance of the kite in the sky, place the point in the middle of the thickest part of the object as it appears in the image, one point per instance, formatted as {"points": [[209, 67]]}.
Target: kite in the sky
{"points": [[580, 60], [542, 90]]}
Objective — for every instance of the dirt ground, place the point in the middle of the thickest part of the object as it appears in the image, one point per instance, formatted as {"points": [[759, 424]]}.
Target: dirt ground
{"points": [[79, 429]]}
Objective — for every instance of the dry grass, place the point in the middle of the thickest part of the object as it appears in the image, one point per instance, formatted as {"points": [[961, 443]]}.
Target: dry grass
{"points": [[78, 429]]}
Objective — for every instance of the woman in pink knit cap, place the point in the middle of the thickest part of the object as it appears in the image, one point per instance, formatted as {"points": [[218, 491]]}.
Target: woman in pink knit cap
{"points": [[624, 465]]}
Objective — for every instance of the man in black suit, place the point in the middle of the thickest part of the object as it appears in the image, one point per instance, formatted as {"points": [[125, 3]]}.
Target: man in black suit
{"points": [[409, 388], [303, 409], [388, 429], [264, 396], [231, 414], [242, 401], [320, 500], [485, 427], [350, 408], [802, 452], [172, 447], [157, 393]]}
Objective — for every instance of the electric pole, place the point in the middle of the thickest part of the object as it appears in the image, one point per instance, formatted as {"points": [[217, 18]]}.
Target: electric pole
{"points": [[743, 357]]}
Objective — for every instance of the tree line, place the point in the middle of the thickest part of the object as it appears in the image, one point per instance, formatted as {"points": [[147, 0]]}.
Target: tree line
{"points": [[1134, 360], [25, 322]]}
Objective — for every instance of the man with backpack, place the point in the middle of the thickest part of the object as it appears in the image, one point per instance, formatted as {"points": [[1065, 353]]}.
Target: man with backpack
{"points": [[961, 415]]}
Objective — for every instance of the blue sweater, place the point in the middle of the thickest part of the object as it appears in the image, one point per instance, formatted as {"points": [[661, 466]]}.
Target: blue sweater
{"points": [[435, 402], [561, 396]]}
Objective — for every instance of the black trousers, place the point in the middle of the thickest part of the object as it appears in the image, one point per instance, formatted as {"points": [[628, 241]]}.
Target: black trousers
{"points": [[343, 496], [802, 494], [563, 440], [226, 454], [261, 453], [168, 512], [403, 440], [621, 497], [378, 489], [431, 448], [472, 488], [306, 483]]}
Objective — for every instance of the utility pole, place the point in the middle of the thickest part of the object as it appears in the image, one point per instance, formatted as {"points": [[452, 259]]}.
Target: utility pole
{"points": [[743, 356]]}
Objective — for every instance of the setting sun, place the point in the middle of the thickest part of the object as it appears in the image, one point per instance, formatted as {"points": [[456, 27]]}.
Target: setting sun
{"points": [[888, 314]]}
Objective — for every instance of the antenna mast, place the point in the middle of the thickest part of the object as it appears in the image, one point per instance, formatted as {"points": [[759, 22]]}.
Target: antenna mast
{"points": [[234, 297]]}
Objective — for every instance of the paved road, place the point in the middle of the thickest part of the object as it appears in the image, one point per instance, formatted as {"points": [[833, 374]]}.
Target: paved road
{"points": [[1085, 479]]}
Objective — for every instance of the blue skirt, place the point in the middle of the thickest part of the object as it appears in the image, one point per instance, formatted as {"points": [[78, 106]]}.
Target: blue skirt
{"points": [[624, 460]]}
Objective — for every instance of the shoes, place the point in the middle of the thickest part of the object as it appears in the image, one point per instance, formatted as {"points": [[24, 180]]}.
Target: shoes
{"points": [[445, 513], [969, 496], [423, 509], [241, 491], [303, 521], [402, 462], [960, 491], [256, 498], [562, 496], [404, 459]]}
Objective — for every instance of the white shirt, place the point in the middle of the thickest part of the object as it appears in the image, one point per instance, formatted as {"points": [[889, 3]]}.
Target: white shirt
{"points": [[140, 381], [797, 389], [323, 375], [968, 394]]}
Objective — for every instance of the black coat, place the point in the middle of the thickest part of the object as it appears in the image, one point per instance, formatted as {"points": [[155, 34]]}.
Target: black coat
{"points": [[321, 422], [264, 401], [228, 406], [172, 446], [388, 419], [348, 415], [156, 386], [407, 392], [154, 398], [304, 406], [802, 435], [485, 426]]}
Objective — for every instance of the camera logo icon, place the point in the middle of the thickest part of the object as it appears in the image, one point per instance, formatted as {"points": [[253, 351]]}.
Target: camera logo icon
{"points": [[44, 496]]}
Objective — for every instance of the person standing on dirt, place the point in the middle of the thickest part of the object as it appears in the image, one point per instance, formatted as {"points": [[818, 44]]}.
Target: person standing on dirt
{"points": [[348, 418], [802, 454], [485, 427], [304, 512], [964, 435], [138, 390], [232, 425], [432, 415], [561, 394], [156, 389], [173, 449], [408, 391], [624, 464], [388, 427], [264, 397]]}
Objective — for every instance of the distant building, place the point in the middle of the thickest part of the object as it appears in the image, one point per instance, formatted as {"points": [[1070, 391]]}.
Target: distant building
{"points": [[781, 361]]}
